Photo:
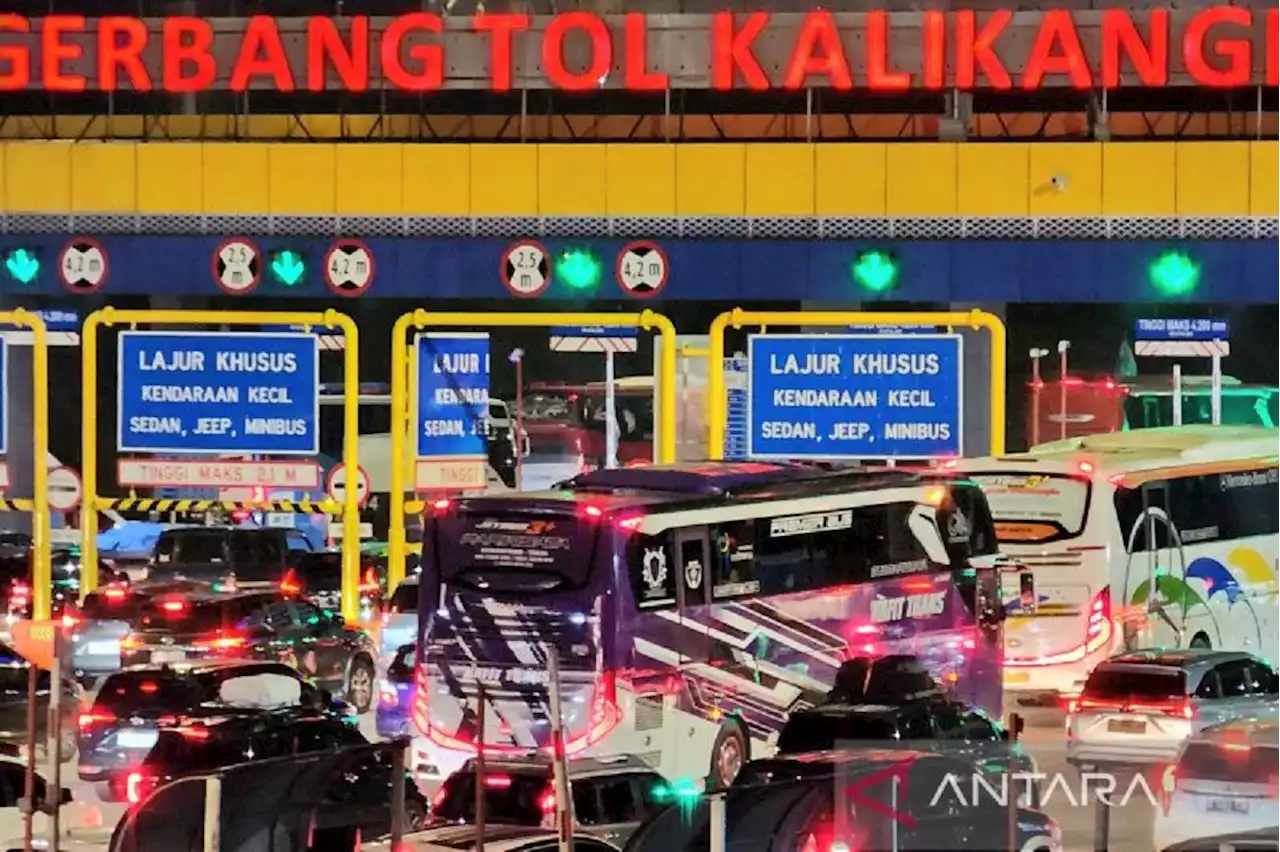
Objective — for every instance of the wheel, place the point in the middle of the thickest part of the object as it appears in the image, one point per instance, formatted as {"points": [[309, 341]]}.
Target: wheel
{"points": [[728, 755], [1200, 640], [66, 747], [360, 684], [415, 815]]}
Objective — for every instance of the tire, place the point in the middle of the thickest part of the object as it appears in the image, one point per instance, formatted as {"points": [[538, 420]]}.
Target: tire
{"points": [[729, 754], [1200, 640], [361, 685]]}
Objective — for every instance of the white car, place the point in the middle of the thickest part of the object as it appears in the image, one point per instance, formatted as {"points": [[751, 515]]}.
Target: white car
{"points": [[1222, 789], [497, 838], [1138, 708]]}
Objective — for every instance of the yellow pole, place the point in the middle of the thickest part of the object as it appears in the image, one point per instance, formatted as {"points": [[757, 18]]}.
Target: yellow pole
{"points": [[89, 453], [976, 319], [351, 462], [400, 360], [41, 565]]}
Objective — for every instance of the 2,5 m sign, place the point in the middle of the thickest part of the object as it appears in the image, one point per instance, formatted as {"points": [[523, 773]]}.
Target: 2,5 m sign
{"points": [[218, 392]]}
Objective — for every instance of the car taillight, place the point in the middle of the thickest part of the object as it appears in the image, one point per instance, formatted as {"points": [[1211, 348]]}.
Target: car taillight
{"points": [[115, 594], [547, 802], [497, 782], [438, 798], [289, 584], [193, 732], [369, 583], [221, 642], [173, 607], [135, 787], [93, 718], [1181, 707], [604, 708], [1099, 628]]}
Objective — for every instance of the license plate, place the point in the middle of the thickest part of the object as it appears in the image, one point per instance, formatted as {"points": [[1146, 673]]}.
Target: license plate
{"points": [[1227, 806], [168, 656], [136, 739], [97, 648], [1127, 726], [1017, 677]]}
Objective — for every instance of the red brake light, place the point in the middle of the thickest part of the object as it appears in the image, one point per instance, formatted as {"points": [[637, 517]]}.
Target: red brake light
{"points": [[289, 584], [547, 804], [133, 787], [193, 732], [497, 782], [115, 594], [221, 642], [69, 620], [1085, 467], [148, 687], [631, 524], [592, 511], [96, 717], [370, 582], [173, 606], [442, 505]]}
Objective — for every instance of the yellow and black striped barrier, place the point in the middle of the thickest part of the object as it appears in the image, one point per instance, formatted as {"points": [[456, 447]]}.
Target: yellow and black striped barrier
{"points": [[177, 504], [16, 505]]}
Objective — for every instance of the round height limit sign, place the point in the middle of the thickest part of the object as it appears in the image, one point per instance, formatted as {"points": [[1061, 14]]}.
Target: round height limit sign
{"points": [[237, 267], [337, 485]]}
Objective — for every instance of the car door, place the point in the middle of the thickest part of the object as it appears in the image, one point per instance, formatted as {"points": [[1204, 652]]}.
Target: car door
{"points": [[1264, 689], [321, 645], [274, 634], [1237, 697]]}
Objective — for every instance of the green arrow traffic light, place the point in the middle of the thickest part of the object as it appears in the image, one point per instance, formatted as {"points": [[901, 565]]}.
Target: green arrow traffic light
{"points": [[1174, 273], [875, 271], [22, 265], [288, 267], [579, 269]]}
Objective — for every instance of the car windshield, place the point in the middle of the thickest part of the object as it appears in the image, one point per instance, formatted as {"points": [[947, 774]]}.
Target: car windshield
{"points": [[508, 798], [824, 731], [405, 598]]}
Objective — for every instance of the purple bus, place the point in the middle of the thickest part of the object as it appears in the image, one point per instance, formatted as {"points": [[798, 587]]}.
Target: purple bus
{"points": [[693, 607]]}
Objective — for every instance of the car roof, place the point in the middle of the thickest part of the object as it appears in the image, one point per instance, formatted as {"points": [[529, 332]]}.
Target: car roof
{"points": [[583, 767], [1178, 658], [1254, 732]]}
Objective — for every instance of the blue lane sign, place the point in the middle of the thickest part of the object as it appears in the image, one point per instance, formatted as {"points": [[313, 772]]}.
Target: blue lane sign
{"points": [[735, 430], [218, 392], [854, 396], [1182, 329], [453, 395], [54, 320]]}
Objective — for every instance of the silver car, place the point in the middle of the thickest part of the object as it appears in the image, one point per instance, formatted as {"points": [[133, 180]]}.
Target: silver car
{"points": [[399, 622], [1140, 707]]}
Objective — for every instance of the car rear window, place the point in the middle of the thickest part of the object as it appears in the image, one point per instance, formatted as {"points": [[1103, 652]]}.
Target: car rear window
{"points": [[1146, 684], [513, 799], [180, 614], [1242, 764], [145, 692], [113, 603], [824, 731]]}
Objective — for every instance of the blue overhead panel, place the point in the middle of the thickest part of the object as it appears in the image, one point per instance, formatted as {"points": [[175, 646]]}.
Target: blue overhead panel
{"points": [[218, 392], [846, 397]]}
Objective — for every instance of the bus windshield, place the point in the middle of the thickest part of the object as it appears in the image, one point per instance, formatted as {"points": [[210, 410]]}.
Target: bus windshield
{"points": [[512, 553], [1035, 508]]}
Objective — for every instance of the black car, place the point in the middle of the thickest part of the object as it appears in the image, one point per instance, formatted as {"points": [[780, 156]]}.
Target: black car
{"points": [[222, 741], [255, 626], [856, 799], [133, 707], [226, 554], [14, 676]]}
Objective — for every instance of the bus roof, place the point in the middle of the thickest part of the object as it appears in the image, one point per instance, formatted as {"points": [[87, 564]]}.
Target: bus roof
{"points": [[697, 483], [1141, 449]]}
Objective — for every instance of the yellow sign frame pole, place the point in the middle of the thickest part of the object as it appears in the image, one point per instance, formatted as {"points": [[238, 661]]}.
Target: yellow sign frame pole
{"points": [[38, 505], [93, 502], [403, 361], [717, 406]]}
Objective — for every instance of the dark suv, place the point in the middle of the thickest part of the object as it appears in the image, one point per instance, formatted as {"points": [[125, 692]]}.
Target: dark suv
{"points": [[13, 708], [132, 708], [255, 626]]}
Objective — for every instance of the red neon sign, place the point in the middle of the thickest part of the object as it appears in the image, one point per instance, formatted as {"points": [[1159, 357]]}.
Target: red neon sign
{"points": [[1215, 46]]}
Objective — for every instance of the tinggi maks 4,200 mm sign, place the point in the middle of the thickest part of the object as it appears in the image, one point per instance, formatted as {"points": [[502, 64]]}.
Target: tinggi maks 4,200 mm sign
{"points": [[1219, 46]]}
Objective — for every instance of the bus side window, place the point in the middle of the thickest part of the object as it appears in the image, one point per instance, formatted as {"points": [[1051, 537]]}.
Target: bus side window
{"points": [[1141, 510], [1196, 508], [1250, 502]]}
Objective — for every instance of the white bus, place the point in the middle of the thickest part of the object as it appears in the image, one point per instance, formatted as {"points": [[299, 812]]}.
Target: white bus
{"points": [[1152, 538]]}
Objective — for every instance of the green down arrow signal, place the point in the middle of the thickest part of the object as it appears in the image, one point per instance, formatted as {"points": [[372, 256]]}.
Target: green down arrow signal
{"points": [[875, 271], [288, 267], [22, 265]]}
